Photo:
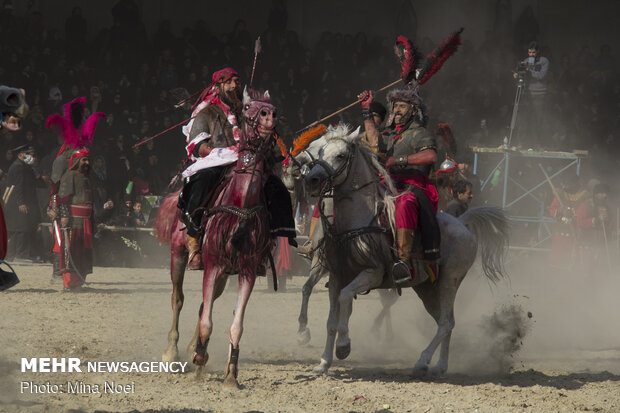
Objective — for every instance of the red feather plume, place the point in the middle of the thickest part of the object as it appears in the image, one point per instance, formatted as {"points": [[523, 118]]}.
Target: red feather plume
{"points": [[436, 59], [408, 56], [305, 138]]}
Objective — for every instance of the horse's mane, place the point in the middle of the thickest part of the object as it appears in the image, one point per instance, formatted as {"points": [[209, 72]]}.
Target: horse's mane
{"points": [[166, 216], [343, 130]]}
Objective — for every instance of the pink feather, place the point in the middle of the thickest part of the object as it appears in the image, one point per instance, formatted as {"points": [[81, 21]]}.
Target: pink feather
{"points": [[72, 136], [89, 128]]}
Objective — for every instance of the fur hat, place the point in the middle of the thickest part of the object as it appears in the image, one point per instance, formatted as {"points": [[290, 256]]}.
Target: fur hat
{"points": [[404, 95]]}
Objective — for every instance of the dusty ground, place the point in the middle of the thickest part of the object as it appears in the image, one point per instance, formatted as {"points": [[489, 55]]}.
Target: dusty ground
{"points": [[569, 360]]}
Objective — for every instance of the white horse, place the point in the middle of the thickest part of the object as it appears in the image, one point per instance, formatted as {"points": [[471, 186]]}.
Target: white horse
{"points": [[357, 250], [388, 298]]}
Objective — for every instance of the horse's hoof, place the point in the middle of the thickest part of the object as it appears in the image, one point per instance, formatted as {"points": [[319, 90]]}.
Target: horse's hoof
{"points": [[230, 382], [436, 372], [420, 371], [199, 360], [342, 352], [303, 337], [170, 356], [320, 369]]}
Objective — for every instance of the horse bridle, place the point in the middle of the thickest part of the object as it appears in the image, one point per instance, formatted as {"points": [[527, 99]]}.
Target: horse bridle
{"points": [[327, 192], [331, 172]]}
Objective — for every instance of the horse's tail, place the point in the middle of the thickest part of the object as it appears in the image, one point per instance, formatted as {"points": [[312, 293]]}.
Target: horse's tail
{"points": [[166, 216], [490, 227]]}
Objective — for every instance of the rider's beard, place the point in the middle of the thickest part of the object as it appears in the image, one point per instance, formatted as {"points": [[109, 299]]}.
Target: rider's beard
{"points": [[232, 98], [401, 120], [85, 169]]}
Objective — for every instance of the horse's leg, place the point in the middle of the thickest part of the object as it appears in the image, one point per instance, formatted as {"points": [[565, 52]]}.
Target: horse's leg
{"points": [[447, 307], [211, 278], [316, 273], [332, 325], [178, 261], [246, 284], [439, 302], [220, 285], [388, 298], [366, 280]]}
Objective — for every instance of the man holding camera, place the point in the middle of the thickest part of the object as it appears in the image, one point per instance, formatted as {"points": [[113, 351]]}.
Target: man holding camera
{"points": [[533, 71]]}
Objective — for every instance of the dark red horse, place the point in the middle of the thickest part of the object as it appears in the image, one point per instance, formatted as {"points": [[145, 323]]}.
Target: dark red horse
{"points": [[236, 236]]}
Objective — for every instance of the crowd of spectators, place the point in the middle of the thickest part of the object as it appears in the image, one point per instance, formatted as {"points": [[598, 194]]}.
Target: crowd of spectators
{"points": [[135, 78]]}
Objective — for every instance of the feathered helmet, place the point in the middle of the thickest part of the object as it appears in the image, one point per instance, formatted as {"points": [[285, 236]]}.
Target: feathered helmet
{"points": [[75, 131]]}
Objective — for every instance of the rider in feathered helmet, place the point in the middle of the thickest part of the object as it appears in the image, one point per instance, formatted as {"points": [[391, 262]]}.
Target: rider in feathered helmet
{"points": [[410, 153]]}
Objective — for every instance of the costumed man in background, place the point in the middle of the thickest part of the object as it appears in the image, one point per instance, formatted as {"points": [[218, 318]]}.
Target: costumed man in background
{"points": [[596, 229], [21, 205], [445, 178], [75, 204], [446, 171], [212, 134], [76, 132], [563, 208], [411, 152]]}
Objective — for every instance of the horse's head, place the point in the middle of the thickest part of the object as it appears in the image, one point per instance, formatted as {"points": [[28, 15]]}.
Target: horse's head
{"points": [[259, 118], [13, 107], [329, 158]]}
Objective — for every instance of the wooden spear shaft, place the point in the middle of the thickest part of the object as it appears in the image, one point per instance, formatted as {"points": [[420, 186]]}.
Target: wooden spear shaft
{"points": [[339, 111]]}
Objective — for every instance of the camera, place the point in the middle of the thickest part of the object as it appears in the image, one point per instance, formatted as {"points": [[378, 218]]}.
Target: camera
{"points": [[521, 70]]}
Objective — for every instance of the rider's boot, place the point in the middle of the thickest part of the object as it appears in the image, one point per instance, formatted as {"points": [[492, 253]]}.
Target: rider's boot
{"points": [[402, 270], [195, 257], [313, 222]]}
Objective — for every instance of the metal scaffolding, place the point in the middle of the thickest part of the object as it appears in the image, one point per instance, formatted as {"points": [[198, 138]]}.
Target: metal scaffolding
{"points": [[519, 192]]}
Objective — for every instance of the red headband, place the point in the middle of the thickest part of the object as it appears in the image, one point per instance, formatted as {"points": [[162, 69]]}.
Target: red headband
{"points": [[224, 75], [82, 153], [221, 76]]}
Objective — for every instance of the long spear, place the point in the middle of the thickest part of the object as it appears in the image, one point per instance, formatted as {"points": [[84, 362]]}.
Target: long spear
{"points": [[257, 50]]}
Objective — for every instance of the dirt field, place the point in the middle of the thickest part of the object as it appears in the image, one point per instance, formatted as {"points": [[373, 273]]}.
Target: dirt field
{"points": [[568, 360]]}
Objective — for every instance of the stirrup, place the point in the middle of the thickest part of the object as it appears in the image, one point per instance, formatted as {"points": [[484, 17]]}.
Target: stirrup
{"points": [[401, 272]]}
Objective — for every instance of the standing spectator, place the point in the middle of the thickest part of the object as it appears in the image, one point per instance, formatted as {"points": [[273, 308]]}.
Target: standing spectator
{"points": [[462, 197], [21, 206]]}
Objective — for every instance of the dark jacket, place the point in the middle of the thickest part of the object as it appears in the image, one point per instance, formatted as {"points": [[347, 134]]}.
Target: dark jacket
{"points": [[24, 182], [456, 208]]}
